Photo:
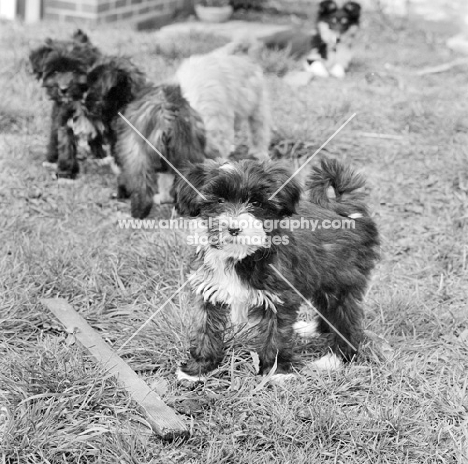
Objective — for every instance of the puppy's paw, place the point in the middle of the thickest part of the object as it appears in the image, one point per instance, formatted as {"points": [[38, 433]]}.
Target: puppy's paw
{"points": [[50, 166], [306, 329], [114, 166], [157, 199], [317, 68], [329, 362], [183, 377], [107, 161], [338, 71], [163, 199]]}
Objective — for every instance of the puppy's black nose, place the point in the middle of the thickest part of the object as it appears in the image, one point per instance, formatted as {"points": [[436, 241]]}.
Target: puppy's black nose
{"points": [[310, 61], [234, 231]]}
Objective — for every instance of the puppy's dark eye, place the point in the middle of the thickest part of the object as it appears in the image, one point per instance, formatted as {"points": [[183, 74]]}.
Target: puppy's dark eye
{"points": [[255, 203], [221, 200]]}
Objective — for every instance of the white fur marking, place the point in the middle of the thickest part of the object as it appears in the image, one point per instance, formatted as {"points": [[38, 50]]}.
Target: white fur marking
{"points": [[190, 378], [338, 71], [227, 167], [317, 68], [107, 161], [306, 329], [49, 166], [114, 167], [165, 183], [215, 282], [329, 362]]}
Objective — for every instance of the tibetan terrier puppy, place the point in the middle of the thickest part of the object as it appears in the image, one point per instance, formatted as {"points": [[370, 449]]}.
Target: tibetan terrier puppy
{"points": [[62, 66], [227, 89], [258, 259], [337, 27], [328, 50], [171, 128], [111, 84]]}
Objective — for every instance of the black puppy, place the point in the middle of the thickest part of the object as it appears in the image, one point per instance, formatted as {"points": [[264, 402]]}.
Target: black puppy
{"points": [[261, 251], [112, 83], [62, 66], [166, 120]]}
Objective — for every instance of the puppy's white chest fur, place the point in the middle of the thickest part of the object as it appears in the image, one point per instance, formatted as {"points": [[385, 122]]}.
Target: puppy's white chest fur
{"points": [[217, 282]]}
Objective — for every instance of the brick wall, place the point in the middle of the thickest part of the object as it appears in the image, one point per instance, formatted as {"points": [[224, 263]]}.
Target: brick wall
{"points": [[143, 13]]}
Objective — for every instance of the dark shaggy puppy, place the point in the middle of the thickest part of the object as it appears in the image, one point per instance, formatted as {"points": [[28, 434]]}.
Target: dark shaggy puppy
{"points": [[112, 83], [62, 67], [254, 267], [164, 117]]}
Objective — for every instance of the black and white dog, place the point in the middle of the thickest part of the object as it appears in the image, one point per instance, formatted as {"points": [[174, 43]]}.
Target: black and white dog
{"points": [[337, 27], [252, 266], [327, 50]]}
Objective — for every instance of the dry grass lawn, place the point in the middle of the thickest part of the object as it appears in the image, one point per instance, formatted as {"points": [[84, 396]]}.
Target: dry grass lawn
{"points": [[412, 407]]}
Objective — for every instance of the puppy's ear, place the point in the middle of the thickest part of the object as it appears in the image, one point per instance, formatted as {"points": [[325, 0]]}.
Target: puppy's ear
{"points": [[115, 81], [326, 7], [38, 58], [188, 197], [80, 36], [288, 190], [104, 77], [353, 9]]}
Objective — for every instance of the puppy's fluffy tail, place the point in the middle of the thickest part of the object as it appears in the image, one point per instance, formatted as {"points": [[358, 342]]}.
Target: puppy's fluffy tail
{"points": [[335, 186]]}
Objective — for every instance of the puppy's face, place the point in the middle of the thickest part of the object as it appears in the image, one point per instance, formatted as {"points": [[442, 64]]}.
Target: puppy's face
{"points": [[334, 22], [108, 86], [234, 203], [44, 59], [64, 78]]}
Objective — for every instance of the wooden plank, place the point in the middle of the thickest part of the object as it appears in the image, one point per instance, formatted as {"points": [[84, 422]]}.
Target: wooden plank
{"points": [[164, 420]]}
